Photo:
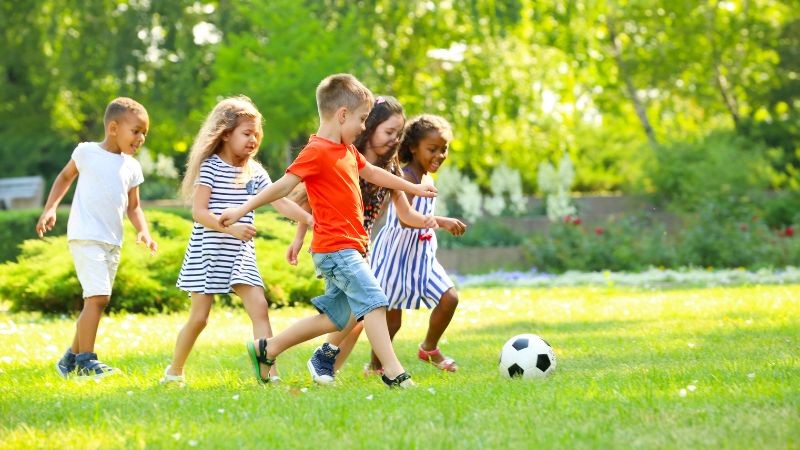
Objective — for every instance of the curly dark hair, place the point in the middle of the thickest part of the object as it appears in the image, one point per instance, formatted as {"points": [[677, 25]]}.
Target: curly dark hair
{"points": [[419, 127], [385, 107]]}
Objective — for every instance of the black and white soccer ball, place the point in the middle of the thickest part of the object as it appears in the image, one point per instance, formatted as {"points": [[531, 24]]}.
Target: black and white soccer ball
{"points": [[527, 356]]}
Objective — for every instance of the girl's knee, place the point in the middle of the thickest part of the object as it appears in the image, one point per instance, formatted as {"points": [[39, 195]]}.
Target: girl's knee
{"points": [[450, 299], [197, 322], [394, 321]]}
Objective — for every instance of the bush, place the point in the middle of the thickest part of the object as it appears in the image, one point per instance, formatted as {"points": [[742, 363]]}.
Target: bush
{"points": [[18, 225], [484, 232], [43, 278]]}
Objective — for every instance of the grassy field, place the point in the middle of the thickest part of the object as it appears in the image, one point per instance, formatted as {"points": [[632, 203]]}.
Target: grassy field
{"points": [[696, 368]]}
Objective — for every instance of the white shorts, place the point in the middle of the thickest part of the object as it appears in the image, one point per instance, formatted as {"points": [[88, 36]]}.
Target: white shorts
{"points": [[96, 264]]}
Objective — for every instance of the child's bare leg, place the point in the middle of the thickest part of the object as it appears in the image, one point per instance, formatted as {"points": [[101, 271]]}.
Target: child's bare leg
{"points": [[378, 335], [297, 333], [198, 319], [346, 341], [441, 316], [87, 323], [255, 303], [394, 320]]}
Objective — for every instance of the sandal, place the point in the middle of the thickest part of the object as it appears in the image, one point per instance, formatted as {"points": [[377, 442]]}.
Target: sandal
{"points": [[448, 364], [177, 380], [259, 357]]}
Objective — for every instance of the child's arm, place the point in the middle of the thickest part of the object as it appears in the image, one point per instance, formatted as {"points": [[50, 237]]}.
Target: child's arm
{"points": [[274, 191], [380, 177], [453, 226], [60, 187], [202, 215], [293, 211], [408, 216], [297, 244], [136, 216]]}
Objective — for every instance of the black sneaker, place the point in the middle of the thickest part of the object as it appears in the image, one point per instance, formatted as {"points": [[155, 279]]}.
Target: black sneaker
{"points": [[90, 367], [66, 365], [402, 381], [321, 364]]}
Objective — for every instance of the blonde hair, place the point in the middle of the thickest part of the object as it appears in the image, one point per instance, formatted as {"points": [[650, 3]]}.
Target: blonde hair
{"points": [[224, 118], [341, 89]]}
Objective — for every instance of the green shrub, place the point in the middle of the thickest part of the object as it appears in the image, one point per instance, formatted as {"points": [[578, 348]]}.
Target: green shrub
{"points": [[43, 278], [18, 225], [484, 232]]}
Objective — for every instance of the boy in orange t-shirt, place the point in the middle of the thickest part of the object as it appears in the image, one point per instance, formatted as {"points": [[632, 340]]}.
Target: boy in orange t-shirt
{"points": [[330, 167]]}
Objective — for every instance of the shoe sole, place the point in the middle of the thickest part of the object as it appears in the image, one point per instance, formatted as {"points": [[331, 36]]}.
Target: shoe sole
{"points": [[318, 378], [61, 373], [97, 376]]}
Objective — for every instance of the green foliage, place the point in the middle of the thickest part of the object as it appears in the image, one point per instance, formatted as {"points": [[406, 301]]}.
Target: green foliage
{"points": [[722, 168], [43, 278], [19, 225], [483, 232]]}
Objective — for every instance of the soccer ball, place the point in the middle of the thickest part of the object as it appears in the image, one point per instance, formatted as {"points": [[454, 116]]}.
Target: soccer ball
{"points": [[527, 356]]}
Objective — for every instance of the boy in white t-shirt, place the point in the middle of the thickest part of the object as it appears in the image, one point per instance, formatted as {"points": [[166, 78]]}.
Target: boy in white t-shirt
{"points": [[108, 185]]}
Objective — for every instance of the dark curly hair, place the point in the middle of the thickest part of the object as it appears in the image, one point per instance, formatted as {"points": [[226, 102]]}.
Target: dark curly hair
{"points": [[385, 107], [419, 127]]}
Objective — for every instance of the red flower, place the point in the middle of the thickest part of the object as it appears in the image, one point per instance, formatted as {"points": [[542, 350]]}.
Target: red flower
{"points": [[577, 220], [567, 219], [599, 231], [789, 231]]}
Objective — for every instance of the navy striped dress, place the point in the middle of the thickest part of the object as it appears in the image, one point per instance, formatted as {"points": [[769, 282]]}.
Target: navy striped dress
{"points": [[404, 261], [216, 261]]}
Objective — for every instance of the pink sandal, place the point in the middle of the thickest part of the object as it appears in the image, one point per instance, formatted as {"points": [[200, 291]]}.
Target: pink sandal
{"points": [[448, 364]]}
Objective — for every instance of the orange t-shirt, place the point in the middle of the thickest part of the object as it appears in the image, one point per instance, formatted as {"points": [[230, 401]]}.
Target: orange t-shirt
{"points": [[330, 171]]}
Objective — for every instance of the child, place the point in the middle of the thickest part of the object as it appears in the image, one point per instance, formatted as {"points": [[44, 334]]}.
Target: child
{"points": [[330, 167], [221, 173], [378, 144], [108, 185], [403, 259]]}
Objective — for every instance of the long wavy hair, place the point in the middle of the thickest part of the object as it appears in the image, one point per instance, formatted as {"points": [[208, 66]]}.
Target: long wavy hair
{"points": [[224, 118], [385, 107]]}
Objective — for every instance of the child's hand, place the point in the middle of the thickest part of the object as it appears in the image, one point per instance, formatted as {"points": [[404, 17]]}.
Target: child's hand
{"points": [[242, 231], [425, 190], [46, 222], [453, 226], [230, 216], [144, 238], [293, 251]]}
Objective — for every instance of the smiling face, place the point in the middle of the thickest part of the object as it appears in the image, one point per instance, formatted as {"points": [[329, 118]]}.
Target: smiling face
{"points": [[430, 152], [353, 122], [386, 136], [128, 132], [243, 142]]}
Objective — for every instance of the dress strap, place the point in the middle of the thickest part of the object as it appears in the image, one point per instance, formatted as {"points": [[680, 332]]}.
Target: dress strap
{"points": [[408, 170]]}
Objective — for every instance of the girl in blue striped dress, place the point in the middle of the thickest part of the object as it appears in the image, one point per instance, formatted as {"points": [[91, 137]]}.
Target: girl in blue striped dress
{"points": [[404, 259], [221, 173]]}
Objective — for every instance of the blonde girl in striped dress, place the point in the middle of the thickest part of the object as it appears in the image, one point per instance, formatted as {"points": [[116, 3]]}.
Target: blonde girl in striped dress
{"points": [[404, 259], [221, 173]]}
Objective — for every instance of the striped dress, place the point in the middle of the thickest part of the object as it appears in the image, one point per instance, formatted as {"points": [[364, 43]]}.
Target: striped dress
{"points": [[404, 261], [216, 261]]}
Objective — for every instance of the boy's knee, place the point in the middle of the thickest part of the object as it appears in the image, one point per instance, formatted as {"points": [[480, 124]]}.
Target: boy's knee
{"points": [[96, 302]]}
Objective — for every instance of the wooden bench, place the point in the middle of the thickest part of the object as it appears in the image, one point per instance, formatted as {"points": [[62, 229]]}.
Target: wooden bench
{"points": [[21, 192]]}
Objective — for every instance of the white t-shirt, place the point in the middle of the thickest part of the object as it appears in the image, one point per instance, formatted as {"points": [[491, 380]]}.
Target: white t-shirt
{"points": [[101, 198]]}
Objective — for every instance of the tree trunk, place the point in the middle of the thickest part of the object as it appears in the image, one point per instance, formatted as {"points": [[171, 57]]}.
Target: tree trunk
{"points": [[728, 97], [616, 48]]}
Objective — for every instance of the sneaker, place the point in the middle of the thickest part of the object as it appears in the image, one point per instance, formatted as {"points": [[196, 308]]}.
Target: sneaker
{"points": [[402, 381], [177, 380], [66, 365], [90, 367], [321, 363]]}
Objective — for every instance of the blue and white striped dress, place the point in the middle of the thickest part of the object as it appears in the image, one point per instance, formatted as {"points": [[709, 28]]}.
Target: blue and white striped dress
{"points": [[404, 261], [216, 261]]}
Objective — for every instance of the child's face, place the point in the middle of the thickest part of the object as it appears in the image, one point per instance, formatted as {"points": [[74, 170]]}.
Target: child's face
{"points": [[244, 140], [386, 135], [430, 152], [130, 131], [353, 123]]}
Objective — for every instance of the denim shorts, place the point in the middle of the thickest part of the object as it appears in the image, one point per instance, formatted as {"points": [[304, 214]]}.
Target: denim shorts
{"points": [[350, 286]]}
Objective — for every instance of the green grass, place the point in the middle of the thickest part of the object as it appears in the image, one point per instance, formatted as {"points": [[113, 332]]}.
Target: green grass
{"points": [[624, 357]]}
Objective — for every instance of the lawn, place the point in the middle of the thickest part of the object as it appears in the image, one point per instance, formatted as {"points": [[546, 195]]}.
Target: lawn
{"points": [[671, 368]]}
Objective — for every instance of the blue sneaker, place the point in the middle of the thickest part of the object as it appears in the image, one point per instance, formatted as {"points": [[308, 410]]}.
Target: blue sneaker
{"points": [[90, 367], [321, 363], [66, 365]]}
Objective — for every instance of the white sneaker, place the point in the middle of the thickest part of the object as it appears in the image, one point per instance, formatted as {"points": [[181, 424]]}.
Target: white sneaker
{"points": [[180, 380]]}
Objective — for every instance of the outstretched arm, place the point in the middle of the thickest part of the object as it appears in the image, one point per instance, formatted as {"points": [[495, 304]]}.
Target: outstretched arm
{"points": [[293, 211], [202, 215], [453, 226], [380, 177], [136, 216], [274, 191], [60, 187], [408, 216]]}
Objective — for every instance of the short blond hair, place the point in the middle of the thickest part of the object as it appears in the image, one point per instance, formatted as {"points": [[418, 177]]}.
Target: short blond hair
{"points": [[341, 90], [121, 106]]}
